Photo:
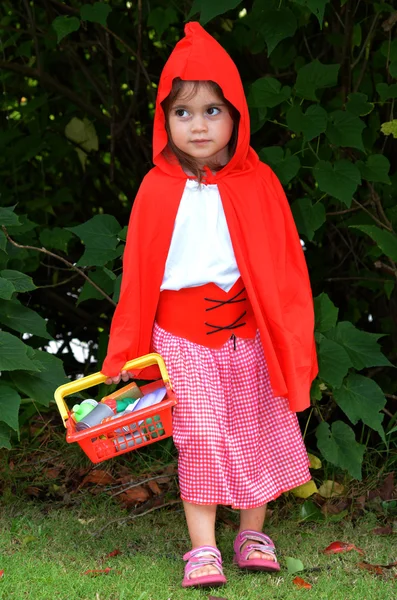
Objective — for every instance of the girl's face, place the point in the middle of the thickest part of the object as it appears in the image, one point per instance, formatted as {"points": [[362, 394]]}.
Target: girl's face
{"points": [[201, 125]]}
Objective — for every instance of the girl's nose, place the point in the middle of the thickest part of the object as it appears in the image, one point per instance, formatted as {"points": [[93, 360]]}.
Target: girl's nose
{"points": [[199, 124]]}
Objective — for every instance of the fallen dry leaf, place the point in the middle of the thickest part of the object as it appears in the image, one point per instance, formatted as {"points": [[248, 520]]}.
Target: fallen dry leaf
{"points": [[2, 573], [95, 572], [134, 495], [387, 487], [154, 486], [98, 477], [377, 569], [216, 598], [301, 583], [331, 489], [387, 530], [338, 547]]}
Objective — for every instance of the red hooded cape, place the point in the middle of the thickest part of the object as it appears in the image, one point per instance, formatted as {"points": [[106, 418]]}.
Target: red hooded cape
{"points": [[264, 237]]}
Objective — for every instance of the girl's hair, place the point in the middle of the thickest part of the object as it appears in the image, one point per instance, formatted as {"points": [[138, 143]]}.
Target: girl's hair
{"points": [[187, 162]]}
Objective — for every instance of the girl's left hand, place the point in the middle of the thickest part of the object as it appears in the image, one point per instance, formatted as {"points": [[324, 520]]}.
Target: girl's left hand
{"points": [[123, 376]]}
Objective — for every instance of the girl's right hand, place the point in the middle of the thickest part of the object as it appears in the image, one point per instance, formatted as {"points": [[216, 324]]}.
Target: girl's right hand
{"points": [[122, 376]]}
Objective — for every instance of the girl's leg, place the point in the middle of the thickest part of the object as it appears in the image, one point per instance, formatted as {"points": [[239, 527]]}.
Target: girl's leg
{"points": [[201, 524], [253, 518]]}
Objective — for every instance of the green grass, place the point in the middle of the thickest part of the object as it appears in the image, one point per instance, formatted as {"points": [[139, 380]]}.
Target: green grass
{"points": [[45, 552]]}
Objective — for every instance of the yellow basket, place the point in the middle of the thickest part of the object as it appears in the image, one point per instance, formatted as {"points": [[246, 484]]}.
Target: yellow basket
{"points": [[128, 432]]}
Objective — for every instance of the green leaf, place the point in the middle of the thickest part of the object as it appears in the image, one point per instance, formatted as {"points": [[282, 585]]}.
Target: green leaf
{"points": [[333, 361], [393, 69], [277, 25], [308, 217], [311, 123], [345, 129], [13, 354], [339, 180], [339, 447], [387, 92], [357, 104], [96, 13], [317, 7], [209, 9], [8, 217], [56, 238], [310, 512], [15, 315], [99, 235], [294, 565], [5, 435], [390, 127], [376, 169], [361, 398], [386, 241], [41, 386], [267, 92], [64, 26], [3, 241], [161, 18], [315, 76], [285, 166], [103, 280], [326, 313], [361, 346], [10, 401], [20, 281], [6, 289], [82, 132]]}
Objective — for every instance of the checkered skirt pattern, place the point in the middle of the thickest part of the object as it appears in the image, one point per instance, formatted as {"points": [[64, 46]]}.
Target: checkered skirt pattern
{"points": [[238, 445]]}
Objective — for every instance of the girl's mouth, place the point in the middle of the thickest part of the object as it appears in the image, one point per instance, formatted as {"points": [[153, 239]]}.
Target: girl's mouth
{"points": [[200, 141]]}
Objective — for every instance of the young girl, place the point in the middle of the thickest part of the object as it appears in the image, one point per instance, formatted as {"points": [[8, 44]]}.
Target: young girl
{"points": [[216, 282]]}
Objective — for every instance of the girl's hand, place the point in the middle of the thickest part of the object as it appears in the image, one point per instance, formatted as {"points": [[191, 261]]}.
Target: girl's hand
{"points": [[123, 376]]}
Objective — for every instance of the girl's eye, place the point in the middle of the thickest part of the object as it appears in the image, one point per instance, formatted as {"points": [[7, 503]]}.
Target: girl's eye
{"points": [[181, 112], [213, 110]]}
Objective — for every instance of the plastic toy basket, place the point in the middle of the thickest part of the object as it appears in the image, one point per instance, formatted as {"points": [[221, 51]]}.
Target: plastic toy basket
{"points": [[128, 432]]}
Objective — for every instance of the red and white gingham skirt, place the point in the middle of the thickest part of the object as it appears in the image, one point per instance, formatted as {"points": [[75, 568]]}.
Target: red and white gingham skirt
{"points": [[237, 444]]}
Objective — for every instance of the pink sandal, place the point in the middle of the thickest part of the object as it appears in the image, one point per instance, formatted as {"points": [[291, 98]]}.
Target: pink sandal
{"points": [[266, 545], [199, 557]]}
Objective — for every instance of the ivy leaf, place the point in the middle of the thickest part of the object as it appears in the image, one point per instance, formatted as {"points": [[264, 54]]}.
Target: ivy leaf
{"points": [[386, 241], [161, 18], [96, 13], [285, 166], [333, 361], [375, 169], [387, 92], [10, 401], [64, 26], [6, 289], [13, 354], [82, 132], [209, 9], [5, 435], [308, 217], [315, 76], [103, 280], [294, 565], [8, 217], [56, 238], [15, 315], [345, 129], [357, 104], [267, 92], [361, 346], [326, 313], [40, 386], [311, 123], [339, 180], [99, 235], [339, 447], [317, 7], [361, 398], [389, 127], [20, 281], [276, 26]]}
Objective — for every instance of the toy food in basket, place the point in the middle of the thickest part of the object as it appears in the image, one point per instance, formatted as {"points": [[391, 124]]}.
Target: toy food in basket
{"points": [[125, 420]]}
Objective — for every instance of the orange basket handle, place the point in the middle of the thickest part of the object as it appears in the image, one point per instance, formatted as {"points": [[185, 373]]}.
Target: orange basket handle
{"points": [[96, 378]]}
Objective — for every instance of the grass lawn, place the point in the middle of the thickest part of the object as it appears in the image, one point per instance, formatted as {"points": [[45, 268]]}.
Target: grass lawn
{"points": [[46, 551]]}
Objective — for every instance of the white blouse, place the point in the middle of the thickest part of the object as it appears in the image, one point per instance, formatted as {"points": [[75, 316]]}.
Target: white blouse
{"points": [[201, 249]]}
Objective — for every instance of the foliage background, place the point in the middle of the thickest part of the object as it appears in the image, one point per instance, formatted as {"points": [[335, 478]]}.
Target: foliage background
{"points": [[78, 83]]}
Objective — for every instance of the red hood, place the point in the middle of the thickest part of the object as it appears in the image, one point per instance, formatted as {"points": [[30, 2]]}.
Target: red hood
{"points": [[199, 57]]}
